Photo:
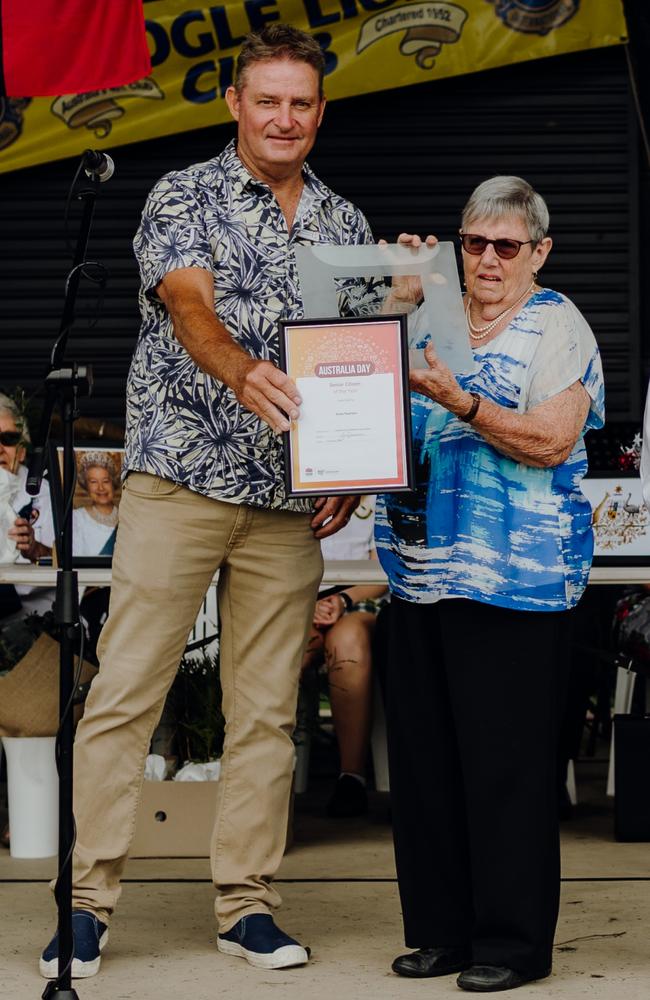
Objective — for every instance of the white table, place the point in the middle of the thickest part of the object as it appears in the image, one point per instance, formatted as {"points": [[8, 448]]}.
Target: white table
{"points": [[336, 572], [342, 571]]}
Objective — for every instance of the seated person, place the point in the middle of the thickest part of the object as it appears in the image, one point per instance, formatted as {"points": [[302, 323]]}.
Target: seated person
{"points": [[32, 531], [94, 525], [94, 529], [33, 513], [341, 638]]}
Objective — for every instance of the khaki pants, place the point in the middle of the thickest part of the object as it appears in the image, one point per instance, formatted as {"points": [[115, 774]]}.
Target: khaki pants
{"points": [[169, 544]]}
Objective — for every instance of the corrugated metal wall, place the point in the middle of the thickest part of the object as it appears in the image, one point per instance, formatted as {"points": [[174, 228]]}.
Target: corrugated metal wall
{"points": [[408, 158]]}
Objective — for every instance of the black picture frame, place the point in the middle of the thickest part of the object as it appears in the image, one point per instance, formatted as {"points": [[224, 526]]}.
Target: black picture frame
{"points": [[291, 327], [55, 482]]}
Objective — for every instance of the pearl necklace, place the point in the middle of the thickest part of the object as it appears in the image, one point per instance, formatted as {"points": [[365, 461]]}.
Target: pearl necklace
{"points": [[109, 520], [481, 332]]}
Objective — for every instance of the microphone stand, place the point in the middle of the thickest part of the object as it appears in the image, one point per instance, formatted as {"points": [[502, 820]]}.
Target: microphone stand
{"points": [[63, 388]]}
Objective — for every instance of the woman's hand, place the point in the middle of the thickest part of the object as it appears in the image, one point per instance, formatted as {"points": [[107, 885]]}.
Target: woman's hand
{"points": [[439, 383], [22, 534], [328, 610], [543, 437], [406, 289]]}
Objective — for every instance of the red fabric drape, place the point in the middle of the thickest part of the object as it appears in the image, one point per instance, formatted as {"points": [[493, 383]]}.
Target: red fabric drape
{"points": [[71, 46]]}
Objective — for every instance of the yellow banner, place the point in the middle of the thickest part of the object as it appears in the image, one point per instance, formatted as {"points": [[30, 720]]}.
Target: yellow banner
{"points": [[369, 45]]}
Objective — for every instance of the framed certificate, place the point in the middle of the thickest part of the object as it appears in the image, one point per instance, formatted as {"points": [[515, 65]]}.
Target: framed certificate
{"points": [[354, 430]]}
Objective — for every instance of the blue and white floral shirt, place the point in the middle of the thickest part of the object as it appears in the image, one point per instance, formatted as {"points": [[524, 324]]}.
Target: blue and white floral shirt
{"points": [[183, 424], [481, 525]]}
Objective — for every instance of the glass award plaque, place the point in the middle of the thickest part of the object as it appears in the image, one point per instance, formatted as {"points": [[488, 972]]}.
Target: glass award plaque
{"points": [[439, 316]]}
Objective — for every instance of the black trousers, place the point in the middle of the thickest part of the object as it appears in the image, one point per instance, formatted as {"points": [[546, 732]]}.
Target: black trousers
{"points": [[474, 697]]}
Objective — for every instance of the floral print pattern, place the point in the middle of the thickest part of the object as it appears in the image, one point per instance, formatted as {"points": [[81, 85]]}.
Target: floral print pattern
{"points": [[183, 424]]}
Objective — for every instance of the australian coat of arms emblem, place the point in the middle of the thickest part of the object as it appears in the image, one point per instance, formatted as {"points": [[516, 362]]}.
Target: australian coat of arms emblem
{"points": [[617, 520]]}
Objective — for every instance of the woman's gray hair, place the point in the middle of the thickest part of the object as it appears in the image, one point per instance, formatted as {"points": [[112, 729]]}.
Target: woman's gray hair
{"points": [[503, 195], [8, 406], [97, 459]]}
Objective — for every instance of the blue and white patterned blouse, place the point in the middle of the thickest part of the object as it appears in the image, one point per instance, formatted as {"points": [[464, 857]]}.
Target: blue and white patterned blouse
{"points": [[481, 525], [183, 424]]}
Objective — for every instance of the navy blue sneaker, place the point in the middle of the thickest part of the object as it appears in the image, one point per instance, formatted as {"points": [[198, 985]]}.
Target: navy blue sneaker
{"points": [[90, 935], [262, 944]]}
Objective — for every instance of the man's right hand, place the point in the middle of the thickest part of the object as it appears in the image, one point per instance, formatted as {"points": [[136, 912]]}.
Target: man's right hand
{"points": [[266, 390], [188, 296]]}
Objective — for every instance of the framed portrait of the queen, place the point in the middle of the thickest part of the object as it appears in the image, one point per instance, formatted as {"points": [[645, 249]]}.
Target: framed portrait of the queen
{"points": [[95, 502]]}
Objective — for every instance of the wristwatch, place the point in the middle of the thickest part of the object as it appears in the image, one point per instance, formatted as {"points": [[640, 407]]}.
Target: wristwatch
{"points": [[473, 410], [347, 600]]}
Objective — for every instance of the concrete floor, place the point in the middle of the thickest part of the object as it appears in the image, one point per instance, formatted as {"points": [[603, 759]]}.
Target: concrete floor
{"points": [[340, 897]]}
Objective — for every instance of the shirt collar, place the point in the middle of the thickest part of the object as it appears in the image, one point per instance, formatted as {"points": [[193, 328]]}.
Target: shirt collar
{"points": [[240, 177]]}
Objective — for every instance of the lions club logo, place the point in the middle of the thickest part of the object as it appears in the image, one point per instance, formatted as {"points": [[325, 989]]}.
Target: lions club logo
{"points": [[535, 17], [11, 118]]}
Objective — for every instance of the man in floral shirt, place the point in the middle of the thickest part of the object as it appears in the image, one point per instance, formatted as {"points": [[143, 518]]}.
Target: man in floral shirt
{"points": [[205, 490]]}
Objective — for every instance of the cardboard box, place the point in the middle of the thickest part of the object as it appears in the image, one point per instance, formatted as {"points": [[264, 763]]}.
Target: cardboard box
{"points": [[175, 820]]}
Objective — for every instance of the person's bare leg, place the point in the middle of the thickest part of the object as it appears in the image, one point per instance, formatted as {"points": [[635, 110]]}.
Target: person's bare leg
{"points": [[349, 672], [313, 654]]}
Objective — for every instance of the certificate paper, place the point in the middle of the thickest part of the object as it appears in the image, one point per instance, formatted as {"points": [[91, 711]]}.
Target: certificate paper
{"points": [[353, 433]]}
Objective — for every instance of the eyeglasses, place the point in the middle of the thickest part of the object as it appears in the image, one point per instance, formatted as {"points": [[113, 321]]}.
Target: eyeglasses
{"points": [[504, 248], [10, 438]]}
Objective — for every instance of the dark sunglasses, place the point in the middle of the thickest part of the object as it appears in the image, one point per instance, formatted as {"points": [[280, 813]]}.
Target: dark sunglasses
{"points": [[10, 438], [505, 248]]}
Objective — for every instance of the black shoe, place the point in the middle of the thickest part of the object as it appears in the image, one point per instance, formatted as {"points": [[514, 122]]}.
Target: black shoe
{"points": [[491, 978], [427, 962], [349, 799]]}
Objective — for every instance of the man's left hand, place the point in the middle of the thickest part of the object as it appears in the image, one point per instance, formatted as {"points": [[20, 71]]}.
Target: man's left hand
{"points": [[332, 514]]}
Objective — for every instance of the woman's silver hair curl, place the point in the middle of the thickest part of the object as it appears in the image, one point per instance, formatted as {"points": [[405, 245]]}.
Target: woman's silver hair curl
{"points": [[501, 196], [101, 459], [8, 406]]}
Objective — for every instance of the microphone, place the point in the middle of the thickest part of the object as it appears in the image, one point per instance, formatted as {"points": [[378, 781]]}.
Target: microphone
{"points": [[98, 164], [36, 471]]}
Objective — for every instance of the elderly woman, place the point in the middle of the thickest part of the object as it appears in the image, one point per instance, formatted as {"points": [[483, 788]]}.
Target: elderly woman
{"points": [[94, 525], [485, 559], [32, 531]]}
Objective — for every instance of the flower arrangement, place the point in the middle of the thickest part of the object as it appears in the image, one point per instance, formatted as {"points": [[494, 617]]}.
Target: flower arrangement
{"points": [[630, 458]]}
